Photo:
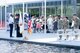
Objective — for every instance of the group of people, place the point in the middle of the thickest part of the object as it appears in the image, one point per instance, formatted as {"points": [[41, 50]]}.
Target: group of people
{"points": [[15, 21], [37, 24], [57, 22]]}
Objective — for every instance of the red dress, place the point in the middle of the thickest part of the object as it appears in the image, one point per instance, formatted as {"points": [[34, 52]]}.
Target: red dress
{"points": [[30, 26], [38, 25]]}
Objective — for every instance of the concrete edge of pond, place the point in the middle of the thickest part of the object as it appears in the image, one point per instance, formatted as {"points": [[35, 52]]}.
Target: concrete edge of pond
{"points": [[47, 44]]}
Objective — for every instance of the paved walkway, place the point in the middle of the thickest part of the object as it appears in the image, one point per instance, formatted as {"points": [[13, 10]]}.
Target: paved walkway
{"points": [[44, 38], [5, 34]]}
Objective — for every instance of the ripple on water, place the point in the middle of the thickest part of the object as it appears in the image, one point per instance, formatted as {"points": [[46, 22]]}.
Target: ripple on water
{"points": [[16, 47]]}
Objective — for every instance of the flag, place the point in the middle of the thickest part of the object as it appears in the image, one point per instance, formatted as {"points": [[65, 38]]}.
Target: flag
{"points": [[21, 23]]}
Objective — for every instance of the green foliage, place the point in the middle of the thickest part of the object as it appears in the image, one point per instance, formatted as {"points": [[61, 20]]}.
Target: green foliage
{"points": [[35, 12], [16, 10]]}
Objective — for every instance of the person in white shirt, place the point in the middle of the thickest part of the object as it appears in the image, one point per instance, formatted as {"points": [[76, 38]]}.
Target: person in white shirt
{"points": [[50, 23], [11, 21], [33, 22]]}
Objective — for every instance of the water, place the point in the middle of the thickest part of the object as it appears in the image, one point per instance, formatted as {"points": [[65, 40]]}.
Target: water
{"points": [[19, 47]]}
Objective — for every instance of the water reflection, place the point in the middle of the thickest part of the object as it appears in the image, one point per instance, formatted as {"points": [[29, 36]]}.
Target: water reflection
{"points": [[18, 47]]}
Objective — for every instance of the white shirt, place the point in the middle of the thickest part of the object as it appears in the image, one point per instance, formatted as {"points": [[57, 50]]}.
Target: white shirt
{"points": [[33, 20], [11, 20], [50, 21], [40, 20], [72, 24]]}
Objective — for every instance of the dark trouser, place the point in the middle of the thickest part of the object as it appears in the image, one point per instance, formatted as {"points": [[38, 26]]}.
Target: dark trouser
{"points": [[11, 29], [38, 29], [18, 31], [34, 30]]}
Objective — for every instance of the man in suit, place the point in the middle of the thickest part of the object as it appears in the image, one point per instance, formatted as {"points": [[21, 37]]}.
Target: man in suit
{"points": [[11, 21]]}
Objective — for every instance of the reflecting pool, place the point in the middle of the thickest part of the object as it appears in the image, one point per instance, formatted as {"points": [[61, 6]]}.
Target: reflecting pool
{"points": [[19, 47]]}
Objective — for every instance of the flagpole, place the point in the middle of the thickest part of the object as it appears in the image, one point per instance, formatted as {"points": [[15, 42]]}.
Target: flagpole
{"points": [[12, 9], [26, 8], [23, 14], [45, 16], [61, 8], [14, 31]]}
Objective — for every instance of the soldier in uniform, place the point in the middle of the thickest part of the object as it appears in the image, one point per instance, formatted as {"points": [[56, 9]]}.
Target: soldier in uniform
{"points": [[65, 23], [75, 24]]}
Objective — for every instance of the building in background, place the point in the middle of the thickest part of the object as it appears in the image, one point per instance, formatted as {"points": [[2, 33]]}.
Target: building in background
{"points": [[53, 7]]}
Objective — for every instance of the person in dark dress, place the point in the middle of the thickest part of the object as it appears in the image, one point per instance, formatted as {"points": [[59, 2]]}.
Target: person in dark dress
{"points": [[55, 24], [17, 26], [34, 26]]}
